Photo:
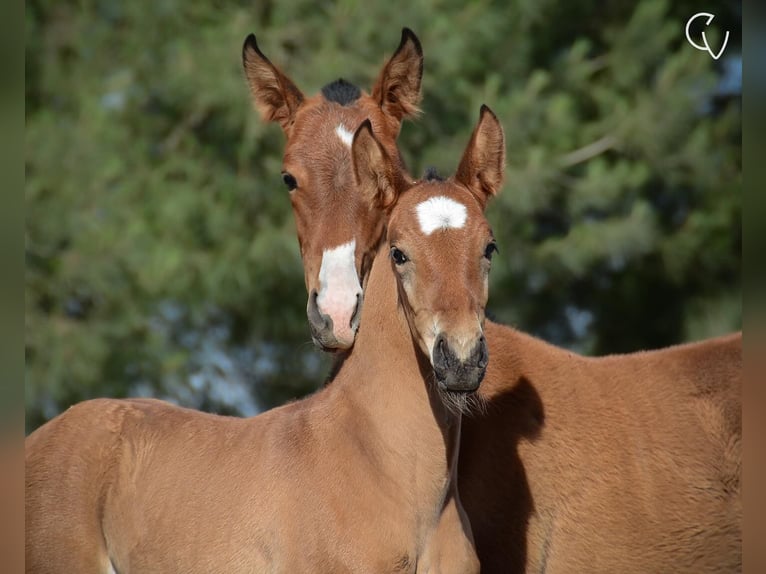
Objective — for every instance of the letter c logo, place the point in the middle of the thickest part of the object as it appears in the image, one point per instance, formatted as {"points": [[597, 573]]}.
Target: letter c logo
{"points": [[706, 47]]}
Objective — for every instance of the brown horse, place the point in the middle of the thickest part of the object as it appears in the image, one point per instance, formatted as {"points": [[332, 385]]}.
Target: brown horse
{"points": [[360, 477], [628, 463], [335, 264]]}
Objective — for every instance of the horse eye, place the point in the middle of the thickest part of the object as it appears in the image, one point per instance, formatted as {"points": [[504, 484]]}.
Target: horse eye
{"points": [[398, 256], [491, 248], [289, 181]]}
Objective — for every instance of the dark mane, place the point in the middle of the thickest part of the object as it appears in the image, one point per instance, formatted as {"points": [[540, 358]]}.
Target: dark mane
{"points": [[432, 175], [341, 92]]}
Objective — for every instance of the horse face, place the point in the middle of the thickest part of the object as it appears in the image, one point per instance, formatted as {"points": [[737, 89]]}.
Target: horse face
{"points": [[338, 228], [441, 246]]}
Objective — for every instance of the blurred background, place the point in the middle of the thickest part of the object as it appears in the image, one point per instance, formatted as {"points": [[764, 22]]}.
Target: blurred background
{"points": [[161, 257]]}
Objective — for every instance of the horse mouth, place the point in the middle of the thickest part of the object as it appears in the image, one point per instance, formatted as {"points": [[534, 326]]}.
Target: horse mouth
{"points": [[329, 348], [466, 380], [461, 400]]}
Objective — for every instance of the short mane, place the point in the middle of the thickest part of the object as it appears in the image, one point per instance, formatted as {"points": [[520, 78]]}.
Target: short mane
{"points": [[432, 175], [341, 92]]}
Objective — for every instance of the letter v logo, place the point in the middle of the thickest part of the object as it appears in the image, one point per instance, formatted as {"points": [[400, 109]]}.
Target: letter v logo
{"points": [[706, 47]]}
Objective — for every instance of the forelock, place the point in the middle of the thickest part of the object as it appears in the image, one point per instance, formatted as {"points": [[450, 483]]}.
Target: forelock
{"points": [[341, 92]]}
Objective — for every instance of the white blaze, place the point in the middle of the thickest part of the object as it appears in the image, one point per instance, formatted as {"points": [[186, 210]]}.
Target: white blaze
{"points": [[339, 288], [441, 213], [345, 136]]}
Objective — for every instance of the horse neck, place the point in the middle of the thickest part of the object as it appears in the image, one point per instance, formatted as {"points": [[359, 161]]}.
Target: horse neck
{"points": [[387, 378]]}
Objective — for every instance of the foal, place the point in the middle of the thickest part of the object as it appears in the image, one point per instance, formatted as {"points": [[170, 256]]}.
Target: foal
{"points": [[619, 464], [319, 131], [360, 477]]}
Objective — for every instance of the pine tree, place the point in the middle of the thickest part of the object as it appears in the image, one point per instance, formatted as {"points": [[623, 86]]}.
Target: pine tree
{"points": [[161, 252]]}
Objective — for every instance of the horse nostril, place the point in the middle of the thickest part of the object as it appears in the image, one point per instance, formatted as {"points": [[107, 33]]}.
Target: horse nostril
{"points": [[317, 319], [439, 357], [314, 301], [356, 315], [483, 360]]}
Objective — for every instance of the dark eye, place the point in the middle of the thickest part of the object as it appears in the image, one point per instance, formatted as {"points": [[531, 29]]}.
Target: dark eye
{"points": [[398, 256], [491, 248], [289, 181]]}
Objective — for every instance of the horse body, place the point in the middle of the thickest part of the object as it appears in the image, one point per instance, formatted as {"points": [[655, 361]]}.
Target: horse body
{"points": [[627, 463], [359, 477], [352, 479]]}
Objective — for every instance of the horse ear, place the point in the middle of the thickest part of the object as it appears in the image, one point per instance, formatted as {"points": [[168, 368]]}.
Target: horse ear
{"points": [[373, 169], [397, 89], [275, 96], [482, 167]]}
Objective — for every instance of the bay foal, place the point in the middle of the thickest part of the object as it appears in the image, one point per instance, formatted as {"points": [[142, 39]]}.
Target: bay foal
{"points": [[319, 130], [360, 477], [628, 463]]}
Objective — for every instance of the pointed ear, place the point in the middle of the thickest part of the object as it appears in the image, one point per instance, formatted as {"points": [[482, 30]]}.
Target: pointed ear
{"points": [[275, 96], [374, 171], [397, 89], [483, 165]]}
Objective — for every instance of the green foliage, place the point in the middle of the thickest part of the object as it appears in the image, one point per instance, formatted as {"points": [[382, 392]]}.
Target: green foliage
{"points": [[161, 252]]}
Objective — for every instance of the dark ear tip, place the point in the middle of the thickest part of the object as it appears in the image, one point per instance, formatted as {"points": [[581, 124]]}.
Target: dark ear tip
{"points": [[251, 44], [365, 126], [409, 35], [486, 110]]}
